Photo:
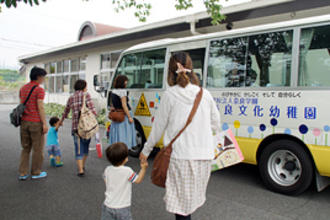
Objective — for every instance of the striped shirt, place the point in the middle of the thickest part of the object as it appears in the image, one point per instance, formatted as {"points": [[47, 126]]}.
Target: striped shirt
{"points": [[31, 112], [75, 103]]}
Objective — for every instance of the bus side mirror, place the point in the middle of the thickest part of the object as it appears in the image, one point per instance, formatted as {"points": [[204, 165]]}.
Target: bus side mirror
{"points": [[96, 80]]}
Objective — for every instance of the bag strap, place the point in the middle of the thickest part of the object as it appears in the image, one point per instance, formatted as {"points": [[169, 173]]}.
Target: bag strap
{"points": [[110, 99], [27, 99], [191, 115], [84, 104]]}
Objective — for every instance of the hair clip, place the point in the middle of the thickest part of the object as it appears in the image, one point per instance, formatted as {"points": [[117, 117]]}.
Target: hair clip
{"points": [[186, 70]]}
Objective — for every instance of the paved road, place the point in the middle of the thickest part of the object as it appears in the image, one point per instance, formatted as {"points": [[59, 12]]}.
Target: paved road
{"points": [[234, 193]]}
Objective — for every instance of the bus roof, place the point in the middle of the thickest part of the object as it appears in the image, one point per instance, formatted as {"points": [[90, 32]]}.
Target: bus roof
{"points": [[285, 24]]}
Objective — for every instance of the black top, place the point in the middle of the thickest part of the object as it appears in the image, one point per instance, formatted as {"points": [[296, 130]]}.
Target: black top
{"points": [[116, 102]]}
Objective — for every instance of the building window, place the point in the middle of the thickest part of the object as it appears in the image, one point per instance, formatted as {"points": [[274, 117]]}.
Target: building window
{"points": [[59, 67], [83, 63], [105, 61], [52, 68], [75, 65], [73, 79], [107, 67], [66, 66], [64, 74]]}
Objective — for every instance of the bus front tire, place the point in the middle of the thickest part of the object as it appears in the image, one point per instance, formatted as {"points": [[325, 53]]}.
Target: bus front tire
{"points": [[140, 140], [285, 167]]}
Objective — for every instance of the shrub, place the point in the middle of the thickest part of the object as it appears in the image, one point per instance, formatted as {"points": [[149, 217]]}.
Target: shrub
{"points": [[54, 109]]}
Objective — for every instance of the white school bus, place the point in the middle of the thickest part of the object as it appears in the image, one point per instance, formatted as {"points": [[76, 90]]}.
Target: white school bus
{"points": [[271, 84]]}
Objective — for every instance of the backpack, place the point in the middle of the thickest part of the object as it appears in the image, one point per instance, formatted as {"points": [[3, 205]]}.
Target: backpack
{"points": [[87, 125], [16, 114]]}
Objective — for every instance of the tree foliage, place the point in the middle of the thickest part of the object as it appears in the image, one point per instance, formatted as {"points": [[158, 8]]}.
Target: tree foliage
{"points": [[13, 3], [142, 8]]}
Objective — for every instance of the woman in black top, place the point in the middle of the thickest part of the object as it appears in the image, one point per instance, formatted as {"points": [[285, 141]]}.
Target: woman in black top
{"points": [[122, 131]]}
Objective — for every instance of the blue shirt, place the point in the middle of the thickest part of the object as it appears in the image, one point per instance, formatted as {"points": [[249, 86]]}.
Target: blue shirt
{"points": [[52, 138]]}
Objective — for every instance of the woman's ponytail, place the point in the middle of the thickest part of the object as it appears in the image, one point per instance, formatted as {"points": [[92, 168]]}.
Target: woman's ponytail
{"points": [[182, 79]]}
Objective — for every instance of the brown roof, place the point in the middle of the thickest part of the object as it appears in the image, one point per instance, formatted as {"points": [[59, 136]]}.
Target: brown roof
{"points": [[96, 29], [102, 29]]}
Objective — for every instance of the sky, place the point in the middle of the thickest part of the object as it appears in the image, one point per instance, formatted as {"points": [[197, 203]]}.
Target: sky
{"points": [[26, 29]]}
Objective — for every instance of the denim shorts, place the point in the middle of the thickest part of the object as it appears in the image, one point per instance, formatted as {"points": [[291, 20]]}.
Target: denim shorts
{"points": [[82, 148], [54, 150], [116, 214]]}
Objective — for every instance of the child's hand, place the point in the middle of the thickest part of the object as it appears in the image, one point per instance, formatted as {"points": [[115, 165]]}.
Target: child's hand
{"points": [[144, 164]]}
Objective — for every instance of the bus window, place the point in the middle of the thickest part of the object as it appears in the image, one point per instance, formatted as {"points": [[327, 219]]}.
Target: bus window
{"points": [[226, 67], [152, 68], [314, 59], [258, 60], [144, 70]]}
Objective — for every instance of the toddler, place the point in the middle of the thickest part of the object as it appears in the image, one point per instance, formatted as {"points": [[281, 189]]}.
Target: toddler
{"points": [[53, 147], [118, 180]]}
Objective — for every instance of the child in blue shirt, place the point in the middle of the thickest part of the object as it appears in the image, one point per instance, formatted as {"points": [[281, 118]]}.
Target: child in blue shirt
{"points": [[53, 146]]}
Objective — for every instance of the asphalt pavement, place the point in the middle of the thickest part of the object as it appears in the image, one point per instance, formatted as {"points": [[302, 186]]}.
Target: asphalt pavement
{"points": [[233, 193]]}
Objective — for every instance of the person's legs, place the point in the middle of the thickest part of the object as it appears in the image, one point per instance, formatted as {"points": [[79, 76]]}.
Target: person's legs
{"points": [[26, 149], [108, 214], [57, 154], [85, 143], [38, 141], [182, 217], [79, 153]]}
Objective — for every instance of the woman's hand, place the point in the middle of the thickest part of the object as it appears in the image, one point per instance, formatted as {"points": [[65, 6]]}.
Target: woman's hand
{"points": [[142, 157], [130, 119]]}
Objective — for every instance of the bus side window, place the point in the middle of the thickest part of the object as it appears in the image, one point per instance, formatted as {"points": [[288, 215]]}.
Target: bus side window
{"points": [[314, 57], [227, 63], [253, 61], [144, 69], [271, 55]]}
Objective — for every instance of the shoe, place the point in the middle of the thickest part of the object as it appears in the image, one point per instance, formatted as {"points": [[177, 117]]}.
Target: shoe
{"points": [[81, 174], [41, 175], [52, 162], [60, 164], [22, 178]]}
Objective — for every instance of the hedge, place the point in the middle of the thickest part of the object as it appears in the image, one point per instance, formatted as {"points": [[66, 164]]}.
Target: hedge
{"points": [[54, 109]]}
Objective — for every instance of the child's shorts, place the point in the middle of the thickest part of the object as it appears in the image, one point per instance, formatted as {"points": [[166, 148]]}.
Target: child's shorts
{"points": [[116, 214], [54, 150]]}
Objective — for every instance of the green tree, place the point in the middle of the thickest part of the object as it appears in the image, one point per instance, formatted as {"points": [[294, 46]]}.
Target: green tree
{"points": [[142, 8]]}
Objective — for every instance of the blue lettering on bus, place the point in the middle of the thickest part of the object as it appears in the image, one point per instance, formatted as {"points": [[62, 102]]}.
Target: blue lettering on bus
{"points": [[274, 111], [292, 112], [242, 109], [258, 111], [310, 112]]}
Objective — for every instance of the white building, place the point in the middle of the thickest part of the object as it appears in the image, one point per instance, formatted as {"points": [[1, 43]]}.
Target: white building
{"points": [[99, 46]]}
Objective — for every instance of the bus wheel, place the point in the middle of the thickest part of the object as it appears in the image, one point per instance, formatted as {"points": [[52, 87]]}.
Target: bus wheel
{"points": [[285, 167], [140, 140]]}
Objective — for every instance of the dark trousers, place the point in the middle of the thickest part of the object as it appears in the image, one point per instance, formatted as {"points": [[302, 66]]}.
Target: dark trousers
{"points": [[181, 217]]}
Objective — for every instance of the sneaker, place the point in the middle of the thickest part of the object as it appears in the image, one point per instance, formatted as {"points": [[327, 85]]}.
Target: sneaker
{"points": [[52, 162], [60, 164], [81, 174], [23, 177], [41, 175]]}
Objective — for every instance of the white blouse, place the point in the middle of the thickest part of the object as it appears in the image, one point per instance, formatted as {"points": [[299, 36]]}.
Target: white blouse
{"points": [[196, 142]]}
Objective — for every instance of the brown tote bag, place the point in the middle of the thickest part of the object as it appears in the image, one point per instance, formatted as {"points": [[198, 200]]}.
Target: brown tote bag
{"points": [[116, 115], [162, 160]]}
